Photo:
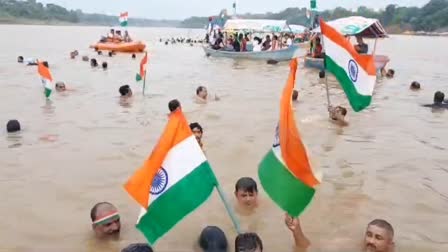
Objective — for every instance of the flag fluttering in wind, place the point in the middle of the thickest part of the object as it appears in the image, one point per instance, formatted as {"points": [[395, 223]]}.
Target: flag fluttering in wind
{"points": [[285, 172], [142, 74], [123, 19], [173, 181], [355, 72], [46, 78]]}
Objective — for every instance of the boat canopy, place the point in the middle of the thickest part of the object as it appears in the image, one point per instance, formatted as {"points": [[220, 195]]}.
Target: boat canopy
{"points": [[296, 29], [256, 25], [358, 26]]}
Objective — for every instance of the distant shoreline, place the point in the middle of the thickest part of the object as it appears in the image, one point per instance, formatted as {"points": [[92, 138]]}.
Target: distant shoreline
{"points": [[61, 23]]}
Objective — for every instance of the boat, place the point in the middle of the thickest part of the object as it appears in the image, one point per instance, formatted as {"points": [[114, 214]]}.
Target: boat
{"points": [[318, 63], [125, 47], [369, 28], [257, 26], [277, 55]]}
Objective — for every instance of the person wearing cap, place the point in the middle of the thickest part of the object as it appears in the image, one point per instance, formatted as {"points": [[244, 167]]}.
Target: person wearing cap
{"points": [[105, 220], [12, 126]]}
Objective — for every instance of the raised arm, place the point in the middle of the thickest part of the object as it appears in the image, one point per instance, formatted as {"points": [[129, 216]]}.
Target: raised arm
{"points": [[293, 224]]}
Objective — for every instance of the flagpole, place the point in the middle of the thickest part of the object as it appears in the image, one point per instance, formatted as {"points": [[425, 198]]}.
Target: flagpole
{"points": [[325, 72], [229, 209], [144, 83]]}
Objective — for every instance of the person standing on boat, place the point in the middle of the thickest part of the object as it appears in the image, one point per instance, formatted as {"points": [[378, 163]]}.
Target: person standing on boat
{"points": [[127, 38], [275, 43]]}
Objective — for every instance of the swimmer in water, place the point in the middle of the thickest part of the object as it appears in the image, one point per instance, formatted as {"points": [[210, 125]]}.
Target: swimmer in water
{"points": [[138, 247], [246, 193], [125, 91], [337, 115], [105, 220], [415, 85], [213, 239], [379, 235], [388, 74], [173, 105], [248, 242], [202, 95], [196, 128], [439, 98], [13, 126], [60, 86]]}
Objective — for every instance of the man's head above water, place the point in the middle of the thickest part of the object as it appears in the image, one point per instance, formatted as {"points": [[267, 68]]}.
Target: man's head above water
{"points": [[379, 236], [105, 219]]}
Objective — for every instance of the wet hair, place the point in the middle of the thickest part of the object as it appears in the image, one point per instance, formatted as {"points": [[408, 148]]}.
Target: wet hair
{"points": [[213, 239], [322, 74], [248, 242], [133, 56], [94, 210], [137, 247], [111, 54], [415, 85], [12, 126], [383, 224], [439, 97], [93, 63], [199, 89], [173, 105], [343, 110], [390, 73], [45, 63], [246, 184], [124, 90], [100, 52], [196, 125], [20, 59], [104, 65], [295, 95]]}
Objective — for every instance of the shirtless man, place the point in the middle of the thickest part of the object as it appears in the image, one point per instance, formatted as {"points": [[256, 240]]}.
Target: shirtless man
{"points": [[105, 220], [379, 235], [202, 95], [337, 115]]}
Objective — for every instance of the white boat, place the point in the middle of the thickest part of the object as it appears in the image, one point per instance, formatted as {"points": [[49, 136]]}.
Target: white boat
{"points": [[276, 55], [260, 26]]}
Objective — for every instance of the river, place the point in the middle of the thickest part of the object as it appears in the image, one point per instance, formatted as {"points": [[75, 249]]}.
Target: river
{"points": [[80, 148]]}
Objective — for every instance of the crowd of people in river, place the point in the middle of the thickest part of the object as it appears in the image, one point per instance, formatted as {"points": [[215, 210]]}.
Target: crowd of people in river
{"points": [[106, 220]]}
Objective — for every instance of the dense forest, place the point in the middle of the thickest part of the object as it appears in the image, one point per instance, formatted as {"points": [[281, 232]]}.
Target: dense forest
{"points": [[31, 11], [431, 17]]}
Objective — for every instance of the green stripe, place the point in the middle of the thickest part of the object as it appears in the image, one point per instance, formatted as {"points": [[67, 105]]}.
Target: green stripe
{"points": [[289, 193], [47, 92], [177, 202], [138, 77], [124, 23], [357, 101]]}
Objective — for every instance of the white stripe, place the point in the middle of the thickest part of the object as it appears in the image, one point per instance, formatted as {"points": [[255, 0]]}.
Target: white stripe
{"points": [[365, 83], [180, 161], [46, 83]]}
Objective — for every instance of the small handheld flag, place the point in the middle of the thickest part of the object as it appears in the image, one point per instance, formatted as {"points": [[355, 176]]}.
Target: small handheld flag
{"points": [[46, 78]]}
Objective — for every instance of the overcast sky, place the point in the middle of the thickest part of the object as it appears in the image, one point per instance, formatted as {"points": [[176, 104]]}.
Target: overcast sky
{"points": [[180, 9]]}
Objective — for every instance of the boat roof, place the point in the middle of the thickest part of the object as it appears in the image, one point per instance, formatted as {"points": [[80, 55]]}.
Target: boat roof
{"points": [[358, 26], [297, 29], [257, 25]]}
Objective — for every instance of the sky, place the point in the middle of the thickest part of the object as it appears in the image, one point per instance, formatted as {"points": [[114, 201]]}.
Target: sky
{"points": [[181, 9]]}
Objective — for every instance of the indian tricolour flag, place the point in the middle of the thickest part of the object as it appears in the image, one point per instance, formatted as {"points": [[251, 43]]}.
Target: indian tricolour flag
{"points": [[355, 72], [46, 78], [142, 72], [123, 19], [285, 172], [173, 181]]}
